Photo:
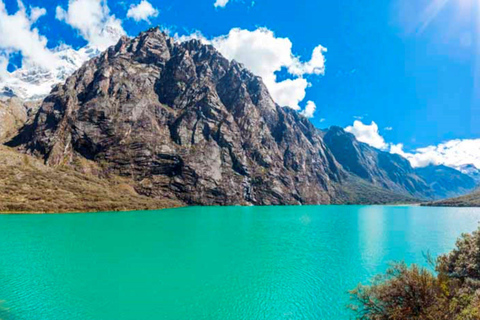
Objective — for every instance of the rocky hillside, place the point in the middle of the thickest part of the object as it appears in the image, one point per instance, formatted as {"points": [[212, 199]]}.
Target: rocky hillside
{"points": [[27, 185], [14, 113]]}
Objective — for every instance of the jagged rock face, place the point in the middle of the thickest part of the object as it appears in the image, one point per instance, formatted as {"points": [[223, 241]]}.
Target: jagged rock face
{"points": [[14, 114], [182, 120], [389, 171], [446, 182]]}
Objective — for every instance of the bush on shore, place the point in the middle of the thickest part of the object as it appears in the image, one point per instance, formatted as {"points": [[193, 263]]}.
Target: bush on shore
{"points": [[452, 293]]}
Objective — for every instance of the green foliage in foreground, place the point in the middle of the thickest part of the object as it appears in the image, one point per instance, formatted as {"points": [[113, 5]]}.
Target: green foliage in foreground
{"points": [[416, 293]]}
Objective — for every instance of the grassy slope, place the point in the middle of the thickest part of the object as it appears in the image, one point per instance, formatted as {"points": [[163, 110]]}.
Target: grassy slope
{"points": [[26, 185], [470, 200], [357, 191]]}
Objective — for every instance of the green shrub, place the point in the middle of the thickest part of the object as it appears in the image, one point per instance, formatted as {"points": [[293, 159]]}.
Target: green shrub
{"points": [[403, 292]]}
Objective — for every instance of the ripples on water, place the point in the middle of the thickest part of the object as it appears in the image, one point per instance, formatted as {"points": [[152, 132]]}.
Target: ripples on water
{"points": [[211, 263]]}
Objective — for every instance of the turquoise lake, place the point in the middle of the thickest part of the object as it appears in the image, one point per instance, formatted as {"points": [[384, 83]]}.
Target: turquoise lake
{"points": [[211, 263]]}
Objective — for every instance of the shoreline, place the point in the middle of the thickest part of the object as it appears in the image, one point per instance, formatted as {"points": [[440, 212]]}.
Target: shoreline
{"points": [[426, 205]]}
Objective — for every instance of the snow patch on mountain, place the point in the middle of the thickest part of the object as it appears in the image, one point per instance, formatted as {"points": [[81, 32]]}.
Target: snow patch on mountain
{"points": [[32, 82], [472, 171]]}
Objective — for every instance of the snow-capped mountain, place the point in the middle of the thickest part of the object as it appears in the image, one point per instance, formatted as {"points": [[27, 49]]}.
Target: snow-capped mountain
{"points": [[472, 171], [32, 82]]}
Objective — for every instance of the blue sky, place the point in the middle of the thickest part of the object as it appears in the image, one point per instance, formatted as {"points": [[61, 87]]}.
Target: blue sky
{"points": [[409, 66]]}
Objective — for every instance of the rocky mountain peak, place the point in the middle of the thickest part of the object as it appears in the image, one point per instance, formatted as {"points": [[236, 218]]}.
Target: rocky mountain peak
{"points": [[183, 122]]}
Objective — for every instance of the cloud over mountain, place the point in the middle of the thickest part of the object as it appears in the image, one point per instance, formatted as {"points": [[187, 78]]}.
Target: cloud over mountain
{"points": [[452, 153], [43, 67], [309, 110], [93, 21], [142, 11], [368, 134]]}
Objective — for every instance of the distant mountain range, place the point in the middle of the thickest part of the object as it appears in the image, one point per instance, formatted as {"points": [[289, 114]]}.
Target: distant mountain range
{"points": [[180, 121]]}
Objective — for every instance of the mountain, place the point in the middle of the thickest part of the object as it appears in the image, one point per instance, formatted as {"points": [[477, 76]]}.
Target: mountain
{"points": [[33, 82], [382, 169], [470, 200], [471, 171], [393, 172], [446, 182], [179, 121]]}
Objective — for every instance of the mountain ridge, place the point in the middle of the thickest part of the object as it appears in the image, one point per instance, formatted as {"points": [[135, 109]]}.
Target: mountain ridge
{"points": [[183, 122], [383, 169], [197, 98]]}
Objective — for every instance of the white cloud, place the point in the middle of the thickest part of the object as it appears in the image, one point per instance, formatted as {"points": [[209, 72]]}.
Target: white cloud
{"points": [[36, 13], [142, 11], [309, 109], [316, 65], [93, 21], [453, 153], [289, 92], [265, 54], [220, 3], [368, 134], [388, 129], [18, 35]]}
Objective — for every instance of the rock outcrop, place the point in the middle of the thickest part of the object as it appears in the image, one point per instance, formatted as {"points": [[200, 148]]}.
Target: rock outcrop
{"points": [[14, 114]]}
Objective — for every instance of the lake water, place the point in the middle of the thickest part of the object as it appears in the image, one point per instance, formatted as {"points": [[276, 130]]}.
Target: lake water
{"points": [[211, 263]]}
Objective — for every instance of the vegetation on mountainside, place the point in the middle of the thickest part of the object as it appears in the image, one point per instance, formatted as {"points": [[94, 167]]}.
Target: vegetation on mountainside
{"points": [[26, 185], [470, 200], [358, 191], [414, 292]]}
